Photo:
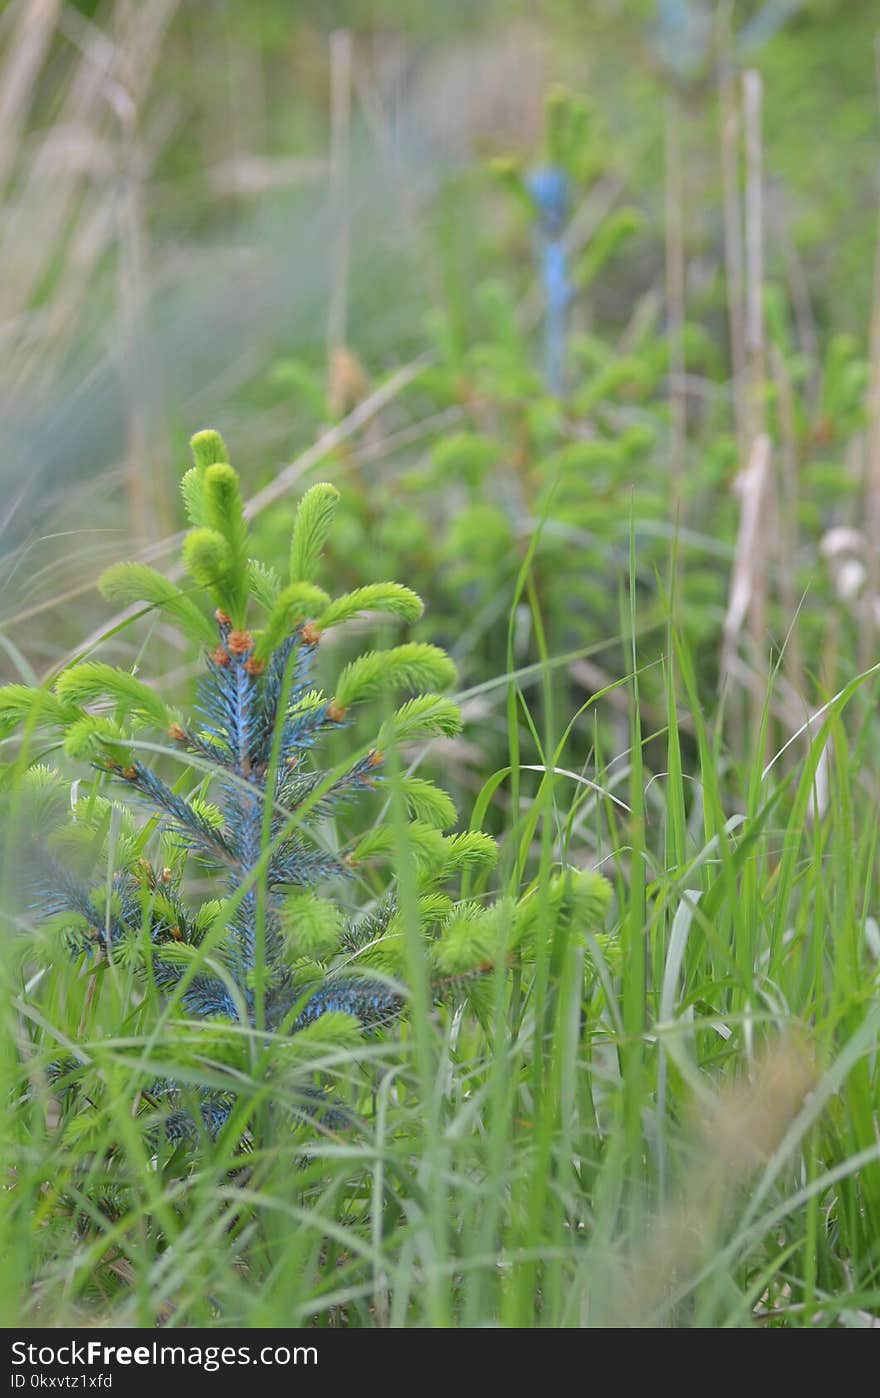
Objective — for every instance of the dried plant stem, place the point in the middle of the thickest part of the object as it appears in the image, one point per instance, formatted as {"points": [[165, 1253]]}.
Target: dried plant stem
{"points": [[735, 1132], [340, 212], [149, 505], [753, 488], [675, 302], [754, 349], [754, 318], [868, 635], [27, 50], [34, 220], [131, 281], [733, 229]]}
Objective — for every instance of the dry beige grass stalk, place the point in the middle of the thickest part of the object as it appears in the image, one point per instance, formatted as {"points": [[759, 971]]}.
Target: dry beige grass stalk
{"points": [[675, 302], [340, 209], [735, 1132], [748, 573], [73, 166], [734, 257]]}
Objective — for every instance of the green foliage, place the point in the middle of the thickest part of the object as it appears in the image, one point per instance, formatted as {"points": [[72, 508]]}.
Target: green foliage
{"points": [[313, 926], [426, 716], [21, 703], [428, 803], [224, 513], [618, 228], [209, 564], [90, 738], [208, 449], [311, 525], [416, 665], [44, 795], [392, 598], [136, 582], [265, 583], [83, 684], [465, 457], [575, 900], [438, 856], [291, 605], [472, 938]]}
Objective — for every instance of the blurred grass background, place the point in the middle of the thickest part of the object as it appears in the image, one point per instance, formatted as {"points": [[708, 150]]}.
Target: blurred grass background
{"points": [[167, 204]]}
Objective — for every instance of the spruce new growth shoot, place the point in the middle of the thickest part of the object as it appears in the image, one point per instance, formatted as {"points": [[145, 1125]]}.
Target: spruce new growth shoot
{"points": [[573, 159], [236, 796]]}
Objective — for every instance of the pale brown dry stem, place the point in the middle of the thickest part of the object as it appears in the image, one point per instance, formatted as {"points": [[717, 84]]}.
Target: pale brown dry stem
{"points": [[340, 211], [733, 227], [131, 282], [749, 563], [868, 635], [675, 302], [27, 50], [756, 417], [737, 1132]]}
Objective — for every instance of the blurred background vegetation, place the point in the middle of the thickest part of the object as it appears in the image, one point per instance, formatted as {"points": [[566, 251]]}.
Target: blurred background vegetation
{"points": [[183, 237], [307, 224]]}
